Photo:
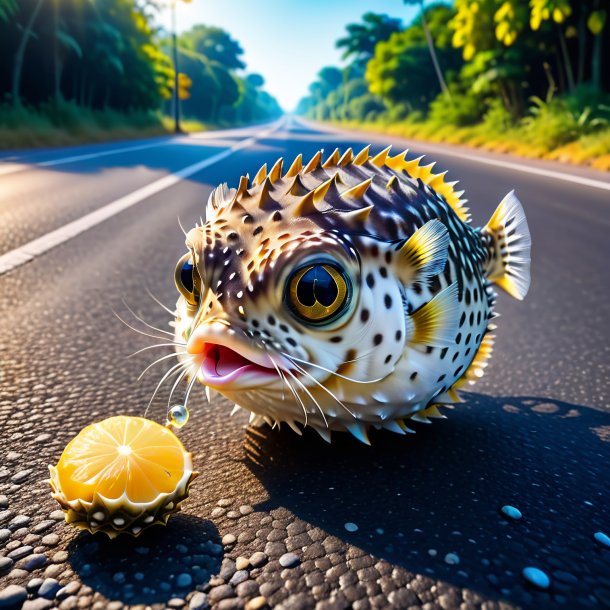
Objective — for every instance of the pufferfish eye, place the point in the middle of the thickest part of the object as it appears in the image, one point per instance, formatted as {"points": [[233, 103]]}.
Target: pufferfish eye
{"points": [[317, 292], [187, 279]]}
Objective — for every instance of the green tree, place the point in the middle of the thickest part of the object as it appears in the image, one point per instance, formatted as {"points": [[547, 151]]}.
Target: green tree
{"points": [[430, 43], [359, 44], [400, 71]]}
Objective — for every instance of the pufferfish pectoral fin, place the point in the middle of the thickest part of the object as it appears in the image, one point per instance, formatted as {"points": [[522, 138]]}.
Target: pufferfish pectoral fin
{"points": [[508, 247], [424, 254], [436, 323]]}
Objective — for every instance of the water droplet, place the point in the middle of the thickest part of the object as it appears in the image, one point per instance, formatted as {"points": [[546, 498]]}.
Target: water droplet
{"points": [[351, 527], [511, 512], [536, 577], [177, 416], [602, 539]]}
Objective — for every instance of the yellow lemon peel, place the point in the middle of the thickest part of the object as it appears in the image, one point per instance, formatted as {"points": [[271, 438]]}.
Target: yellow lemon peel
{"points": [[122, 475]]}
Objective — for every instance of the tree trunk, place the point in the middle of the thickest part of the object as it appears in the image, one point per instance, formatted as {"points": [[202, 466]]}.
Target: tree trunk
{"points": [[20, 54], [582, 43], [57, 63], [437, 68], [596, 60], [566, 59]]}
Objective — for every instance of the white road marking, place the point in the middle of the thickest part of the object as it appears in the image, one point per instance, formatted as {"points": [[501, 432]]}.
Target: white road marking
{"points": [[441, 150], [22, 166], [538, 171], [23, 254], [12, 167]]}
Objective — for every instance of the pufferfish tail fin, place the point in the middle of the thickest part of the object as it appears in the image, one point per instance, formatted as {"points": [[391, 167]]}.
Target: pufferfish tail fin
{"points": [[507, 239]]}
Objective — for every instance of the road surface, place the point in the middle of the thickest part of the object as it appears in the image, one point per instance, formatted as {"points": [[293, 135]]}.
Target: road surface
{"points": [[99, 225]]}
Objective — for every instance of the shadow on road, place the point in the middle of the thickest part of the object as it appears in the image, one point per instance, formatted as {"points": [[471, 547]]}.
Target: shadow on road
{"points": [[431, 501], [163, 563]]}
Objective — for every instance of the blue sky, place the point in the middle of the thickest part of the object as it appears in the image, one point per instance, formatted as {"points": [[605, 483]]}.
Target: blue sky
{"points": [[285, 41]]}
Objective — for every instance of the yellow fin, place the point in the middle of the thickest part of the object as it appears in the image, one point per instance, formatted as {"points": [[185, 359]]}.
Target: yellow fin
{"points": [[508, 263], [424, 254], [436, 323]]}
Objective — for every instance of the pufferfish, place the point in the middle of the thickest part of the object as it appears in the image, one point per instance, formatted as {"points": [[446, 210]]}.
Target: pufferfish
{"points": [[346, 293]]}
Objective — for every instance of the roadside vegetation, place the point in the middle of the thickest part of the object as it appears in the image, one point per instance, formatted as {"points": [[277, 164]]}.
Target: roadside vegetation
{"points": [[509, 76], [77, 71]]}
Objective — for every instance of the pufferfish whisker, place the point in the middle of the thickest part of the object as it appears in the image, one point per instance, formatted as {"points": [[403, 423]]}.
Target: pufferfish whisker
{"points": [[323, 387], [141, 332], [188, 390], [137, 317], [155, 346], [178, 380], [168, 374], [317, 366], [158, 302], [279, 372], [292, 390], [306, 390], [157, 361]]}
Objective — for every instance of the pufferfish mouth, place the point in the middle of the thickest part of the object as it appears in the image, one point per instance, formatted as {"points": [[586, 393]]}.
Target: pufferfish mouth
{"points": [[226, 362]]}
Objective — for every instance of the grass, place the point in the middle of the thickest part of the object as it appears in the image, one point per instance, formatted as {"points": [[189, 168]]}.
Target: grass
{"points": [[68, 124], [536, 139]]}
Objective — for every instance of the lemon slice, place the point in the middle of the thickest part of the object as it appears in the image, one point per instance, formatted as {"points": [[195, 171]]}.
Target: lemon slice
{"points": [[122, 474]]}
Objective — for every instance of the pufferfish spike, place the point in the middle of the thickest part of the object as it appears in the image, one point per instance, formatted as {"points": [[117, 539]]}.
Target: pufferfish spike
{"points": [[363, 156], [380, 158], [359, 431], [358, 191], [346, 158], [314, 163], [305, 206], [276, 171], [332, 160], [243, 185], [393, 184], [296, 167], [261, 174], [360, 215]]}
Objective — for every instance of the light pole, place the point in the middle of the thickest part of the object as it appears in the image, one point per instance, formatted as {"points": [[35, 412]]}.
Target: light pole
{"points": [[177, 128]]}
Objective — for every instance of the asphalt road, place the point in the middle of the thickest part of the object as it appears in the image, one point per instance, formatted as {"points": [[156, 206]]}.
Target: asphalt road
{"points": [[534, 434]]}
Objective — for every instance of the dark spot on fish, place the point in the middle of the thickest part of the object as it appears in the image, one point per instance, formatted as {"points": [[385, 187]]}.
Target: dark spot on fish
{"points": [[336, 339], [377, 339], [383, 272], [370, 280], [413, 376], [364, 315], [258, 230], [388, 358], [387, 301], [444, 352]]}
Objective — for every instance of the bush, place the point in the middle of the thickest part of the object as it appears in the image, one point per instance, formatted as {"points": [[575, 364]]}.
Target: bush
{"points": [[458, 109]]}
